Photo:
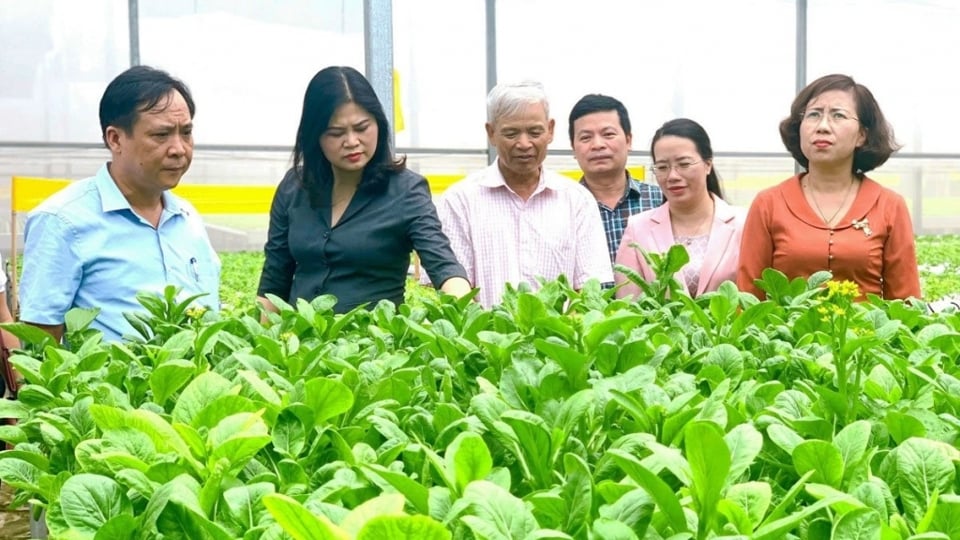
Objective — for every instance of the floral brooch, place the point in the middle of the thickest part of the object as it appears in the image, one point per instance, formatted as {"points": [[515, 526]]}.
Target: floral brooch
{"points": [[863, 225]]}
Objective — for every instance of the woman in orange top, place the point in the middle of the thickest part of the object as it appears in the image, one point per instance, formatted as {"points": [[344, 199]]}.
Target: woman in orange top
{"points": [[833, 217]]}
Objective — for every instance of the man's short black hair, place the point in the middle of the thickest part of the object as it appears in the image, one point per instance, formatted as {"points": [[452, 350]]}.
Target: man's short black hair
{"points": [[136, 90], [592, 103]]}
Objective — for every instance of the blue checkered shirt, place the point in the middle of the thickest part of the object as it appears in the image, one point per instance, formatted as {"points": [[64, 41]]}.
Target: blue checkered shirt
{"points": [[638, 197]]}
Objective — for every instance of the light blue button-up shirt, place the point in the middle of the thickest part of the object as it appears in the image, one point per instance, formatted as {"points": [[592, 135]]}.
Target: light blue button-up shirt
{"points": [[86, 247]]}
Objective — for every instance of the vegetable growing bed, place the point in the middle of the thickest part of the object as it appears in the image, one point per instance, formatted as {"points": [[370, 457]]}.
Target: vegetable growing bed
{"points": [[939, 258], [560, 414]]}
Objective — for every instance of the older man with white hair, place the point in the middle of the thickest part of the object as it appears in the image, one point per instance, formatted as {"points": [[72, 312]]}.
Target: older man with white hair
{"points": [[515, 222]]}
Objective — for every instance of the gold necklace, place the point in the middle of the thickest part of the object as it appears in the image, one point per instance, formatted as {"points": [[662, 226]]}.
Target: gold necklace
{"points": [[823, 216]]}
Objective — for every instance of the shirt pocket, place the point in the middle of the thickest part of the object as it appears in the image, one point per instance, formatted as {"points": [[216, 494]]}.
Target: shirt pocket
{"points": [[203, 271]]}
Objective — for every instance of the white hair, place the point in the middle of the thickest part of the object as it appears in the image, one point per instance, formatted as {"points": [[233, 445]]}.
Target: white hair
{"points": [[509, 99]]}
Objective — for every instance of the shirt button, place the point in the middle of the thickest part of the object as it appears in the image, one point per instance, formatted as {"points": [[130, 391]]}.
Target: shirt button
{"points": [[831, 257]]}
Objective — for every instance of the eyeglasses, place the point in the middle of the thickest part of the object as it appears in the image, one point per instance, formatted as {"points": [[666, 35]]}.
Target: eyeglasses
{"points": [[663, 169], [834, 117]]}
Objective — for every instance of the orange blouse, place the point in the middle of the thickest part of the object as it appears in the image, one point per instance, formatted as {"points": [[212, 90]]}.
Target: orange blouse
{"points": [[873, 245]]}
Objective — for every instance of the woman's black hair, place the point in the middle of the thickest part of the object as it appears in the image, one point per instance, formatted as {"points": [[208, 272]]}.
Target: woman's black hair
{"points": [[688, 129], [329, 89]]}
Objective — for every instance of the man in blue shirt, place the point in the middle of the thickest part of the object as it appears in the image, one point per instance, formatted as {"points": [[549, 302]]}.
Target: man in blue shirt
{"points": [[101, 240], [600, 135]]}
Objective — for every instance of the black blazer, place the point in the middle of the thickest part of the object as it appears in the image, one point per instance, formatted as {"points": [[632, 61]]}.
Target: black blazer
{"points": [[365, 257]]}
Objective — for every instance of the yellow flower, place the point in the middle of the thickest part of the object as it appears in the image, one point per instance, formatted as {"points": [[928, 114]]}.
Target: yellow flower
{"points": [[843, 289], [195, 312]]}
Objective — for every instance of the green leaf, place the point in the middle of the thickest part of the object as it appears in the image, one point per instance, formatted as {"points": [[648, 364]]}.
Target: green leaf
{"points": [[289, 434], [122, 527], [12, 434], [182, 520], [745, 443], [852, 442], [238, 438], [385, 504], [417, 494], [260, 387], [403, 528], [610, 529], [162, 434], [529, 310], [946, 516], [469, 459], [776, 530], [597, 332], [202, 391], [218, 409], [903, 426], [923, 468], [858, 524], [573, 362], [664, 496], [13, 409], [192, 437], [735, 516], [34, 457], [549, 508], [676, 258], [28, 333], [137, 482], [573, 409], [842, 501], [182, 489], [753, 497], [244, 504], [882, 385], [785, 438], [709, 460], [298, 522], [875, 493], [327, 398], [536, 445], [578, 492], [20, 474], [170, 377], [89, 501], [633, 508], [787, 501], [822, 458], [725, 356], [494, 510]]}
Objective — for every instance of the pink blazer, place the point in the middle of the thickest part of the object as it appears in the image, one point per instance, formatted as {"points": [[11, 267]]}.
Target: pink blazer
{"points": [[651, 230]]}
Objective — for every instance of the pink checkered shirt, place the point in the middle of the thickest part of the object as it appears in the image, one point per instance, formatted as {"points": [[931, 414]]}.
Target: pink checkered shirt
{"points": [[499, 238]]}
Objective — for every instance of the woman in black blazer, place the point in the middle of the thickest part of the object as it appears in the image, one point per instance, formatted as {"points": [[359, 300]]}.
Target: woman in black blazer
{"points": [[346, 216]]}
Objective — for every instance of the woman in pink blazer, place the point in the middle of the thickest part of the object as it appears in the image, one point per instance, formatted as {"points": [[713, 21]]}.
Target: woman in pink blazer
{"points": [[694, 214]]}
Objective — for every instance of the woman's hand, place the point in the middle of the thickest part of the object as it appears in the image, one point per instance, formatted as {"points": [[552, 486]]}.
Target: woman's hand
{"points": [[456, 286]]}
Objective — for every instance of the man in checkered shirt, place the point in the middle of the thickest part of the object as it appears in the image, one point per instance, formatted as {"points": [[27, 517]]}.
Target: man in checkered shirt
{"points": [[600, 135]]}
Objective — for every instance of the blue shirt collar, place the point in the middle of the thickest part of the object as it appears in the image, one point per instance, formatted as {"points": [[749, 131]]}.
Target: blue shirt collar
{"points": [[112, 200]]}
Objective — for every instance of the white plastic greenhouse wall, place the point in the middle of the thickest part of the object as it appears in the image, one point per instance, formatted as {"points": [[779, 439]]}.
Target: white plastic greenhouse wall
{"points": [[734, 66]]}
